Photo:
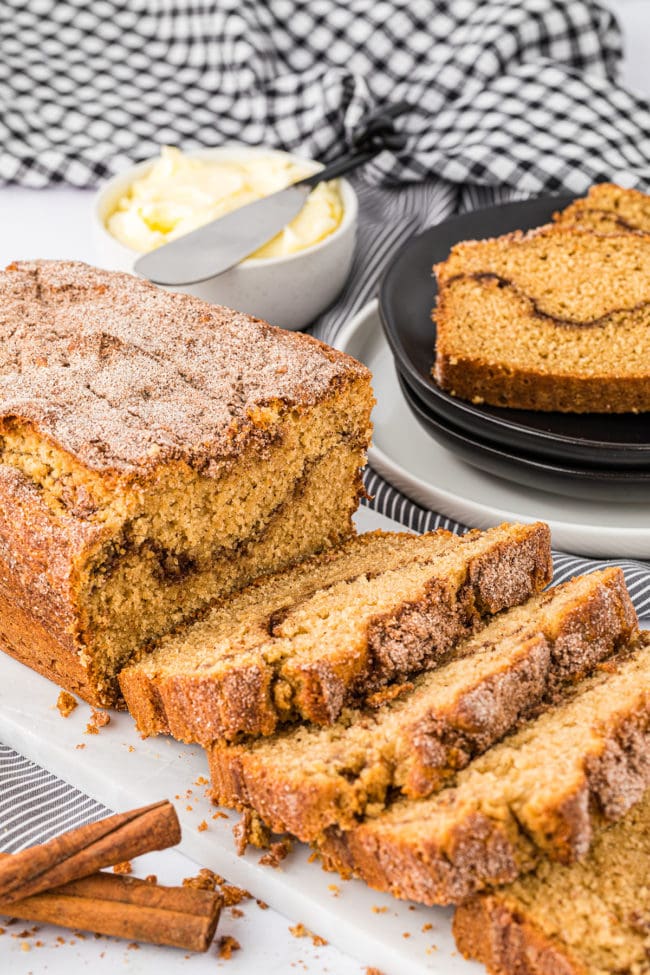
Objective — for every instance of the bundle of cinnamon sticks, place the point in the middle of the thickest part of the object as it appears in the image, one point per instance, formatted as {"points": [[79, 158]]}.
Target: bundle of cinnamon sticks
{"points": [[60, 882]]}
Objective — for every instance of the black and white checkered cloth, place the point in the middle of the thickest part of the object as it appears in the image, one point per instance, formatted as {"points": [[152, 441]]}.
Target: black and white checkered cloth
{"points": [[510, 98], [518, 93]]}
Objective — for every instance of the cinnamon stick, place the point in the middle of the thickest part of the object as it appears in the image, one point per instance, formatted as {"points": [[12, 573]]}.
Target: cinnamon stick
{"points": [[81, 852], [124, 907]]}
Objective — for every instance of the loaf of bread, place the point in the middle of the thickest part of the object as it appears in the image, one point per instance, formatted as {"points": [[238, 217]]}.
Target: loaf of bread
{"points": [[303, 645], [590, 918], [543, 792], [555, 319], [309, 779], [155, 453], [609, 209]]}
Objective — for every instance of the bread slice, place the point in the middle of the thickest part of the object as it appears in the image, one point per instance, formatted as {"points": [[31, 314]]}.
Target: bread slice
{"points": [[591, 918], [609, 209], [542, 792], [324, 635], [245, 618], [556, 319], [306, 780]]}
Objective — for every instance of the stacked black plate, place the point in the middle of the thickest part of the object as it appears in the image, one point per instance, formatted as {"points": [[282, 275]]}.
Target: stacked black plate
{"points": [[595, 455]]}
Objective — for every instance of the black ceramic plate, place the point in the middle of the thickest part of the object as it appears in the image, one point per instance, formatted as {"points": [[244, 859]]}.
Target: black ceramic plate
{"points": [[582, 482], [407, 296]]}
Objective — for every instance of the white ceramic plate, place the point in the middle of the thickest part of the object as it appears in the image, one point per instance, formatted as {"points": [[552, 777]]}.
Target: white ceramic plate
{"points": [[434, 477]]}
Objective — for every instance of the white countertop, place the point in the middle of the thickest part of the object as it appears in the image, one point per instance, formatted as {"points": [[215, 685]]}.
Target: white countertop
{"points": [[55, 223]]}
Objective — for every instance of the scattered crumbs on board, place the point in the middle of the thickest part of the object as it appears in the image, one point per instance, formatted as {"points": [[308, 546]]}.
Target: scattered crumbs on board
{"points": [[202, 826], [226, 945], [66, 704], [300, 931], [98, 719], [277, 852]]}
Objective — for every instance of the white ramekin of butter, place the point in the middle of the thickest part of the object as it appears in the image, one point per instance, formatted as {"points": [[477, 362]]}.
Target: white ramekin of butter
{"points": [[289, 281]]}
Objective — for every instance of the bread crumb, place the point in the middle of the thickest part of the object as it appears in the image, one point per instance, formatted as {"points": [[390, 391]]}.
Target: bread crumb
{"points": [[277, 853], [25, 946], [313, 856], [131, 748], [334, 889], [227, 944], [220, 815], [151, 878], [250, 830], [80, 746], [133, 946], [205, 880], [406, 934], [388, 694], [378, 910], [236, 912], [98, 719], [263, 906], [427, 927], [66, 704], [373, 971], [124, 867], [202, 826], [202, 780], [189, 808], [234, 895], [300, 931]]}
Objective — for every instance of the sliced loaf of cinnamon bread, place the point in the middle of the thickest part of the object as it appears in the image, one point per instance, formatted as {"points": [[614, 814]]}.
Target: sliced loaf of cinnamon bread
{"points": [[308, 779], [591, 918], [544, 791], [308, 642]]}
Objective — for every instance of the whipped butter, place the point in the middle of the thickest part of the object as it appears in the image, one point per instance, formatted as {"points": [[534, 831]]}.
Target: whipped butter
{"points": [[180, 193]]}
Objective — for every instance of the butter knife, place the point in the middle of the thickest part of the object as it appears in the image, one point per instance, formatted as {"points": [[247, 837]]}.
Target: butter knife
{"points": [[221, 244]]}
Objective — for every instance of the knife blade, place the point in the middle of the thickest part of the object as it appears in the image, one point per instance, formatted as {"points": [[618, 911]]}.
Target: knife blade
{"points": [[212, 249], [221, 244]]}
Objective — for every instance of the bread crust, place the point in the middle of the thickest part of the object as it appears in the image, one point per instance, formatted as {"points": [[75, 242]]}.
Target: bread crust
{"points": [[489, 930], [481, 381]]}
